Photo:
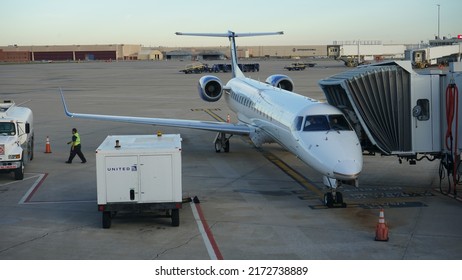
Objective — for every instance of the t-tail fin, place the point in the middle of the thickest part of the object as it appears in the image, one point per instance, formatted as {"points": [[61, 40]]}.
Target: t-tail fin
{"points": [[232, 39]]}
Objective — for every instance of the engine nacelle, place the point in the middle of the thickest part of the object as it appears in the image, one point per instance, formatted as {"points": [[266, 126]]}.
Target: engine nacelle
{"points": [[281, 81], [210, 88]]}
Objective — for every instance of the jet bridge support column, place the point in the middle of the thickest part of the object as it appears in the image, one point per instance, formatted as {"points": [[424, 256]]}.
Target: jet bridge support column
{"points": [[451, 158]]}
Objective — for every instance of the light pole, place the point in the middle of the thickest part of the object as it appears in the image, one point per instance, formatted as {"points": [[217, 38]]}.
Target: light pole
{"points": [[438, 20]]}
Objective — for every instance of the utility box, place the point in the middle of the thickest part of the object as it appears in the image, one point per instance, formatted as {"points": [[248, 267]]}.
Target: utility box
{"points": [[139, 173]]}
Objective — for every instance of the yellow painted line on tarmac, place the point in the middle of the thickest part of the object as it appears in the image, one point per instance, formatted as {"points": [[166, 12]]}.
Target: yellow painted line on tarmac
{"points": [[299, 178], [210, 113], [213, 115]]}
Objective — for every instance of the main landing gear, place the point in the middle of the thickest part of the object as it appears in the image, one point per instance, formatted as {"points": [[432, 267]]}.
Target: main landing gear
{"points": [[222, 142], [333, 198]]}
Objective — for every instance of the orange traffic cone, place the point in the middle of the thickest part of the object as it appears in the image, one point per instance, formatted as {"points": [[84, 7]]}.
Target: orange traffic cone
{"points": [[228, 119], [47, 146], [381, 231]]}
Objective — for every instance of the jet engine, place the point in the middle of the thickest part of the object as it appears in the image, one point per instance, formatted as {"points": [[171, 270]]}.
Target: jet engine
{"points": [[281, 81], [210, 88]]}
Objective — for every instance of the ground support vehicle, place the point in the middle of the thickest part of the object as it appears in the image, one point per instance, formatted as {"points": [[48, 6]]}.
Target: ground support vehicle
{"points": [[296, 66], [138, 173], [16, 138], [250, 67], [220, 68], [195, 68]]}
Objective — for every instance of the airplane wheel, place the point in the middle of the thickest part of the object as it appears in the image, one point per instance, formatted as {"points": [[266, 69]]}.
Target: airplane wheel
{"points": [[339, 197], [217, 147], [329, 199], [227, 147]]}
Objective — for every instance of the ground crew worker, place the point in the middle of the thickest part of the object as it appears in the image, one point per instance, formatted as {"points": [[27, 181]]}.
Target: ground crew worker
{"points": [[75, 147]]}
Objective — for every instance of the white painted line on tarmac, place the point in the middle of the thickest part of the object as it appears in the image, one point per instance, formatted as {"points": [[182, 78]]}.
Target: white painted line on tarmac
{"points": [[26, 199], [207, 236], [60, 202], [33, 188]]}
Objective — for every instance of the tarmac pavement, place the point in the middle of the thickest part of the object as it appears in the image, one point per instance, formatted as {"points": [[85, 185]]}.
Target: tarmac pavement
{"points": [[253, 206]]}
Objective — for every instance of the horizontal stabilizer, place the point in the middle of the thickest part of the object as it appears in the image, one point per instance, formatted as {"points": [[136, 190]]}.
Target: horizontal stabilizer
{"points": [[232, 38], [230, 34]]}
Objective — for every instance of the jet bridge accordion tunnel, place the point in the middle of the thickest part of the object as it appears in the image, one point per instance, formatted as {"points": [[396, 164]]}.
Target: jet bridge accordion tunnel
{"points": [[398, 111]]}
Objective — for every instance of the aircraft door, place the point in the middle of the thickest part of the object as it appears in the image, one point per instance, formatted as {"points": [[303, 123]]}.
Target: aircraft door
{"points": [[425, 114]]}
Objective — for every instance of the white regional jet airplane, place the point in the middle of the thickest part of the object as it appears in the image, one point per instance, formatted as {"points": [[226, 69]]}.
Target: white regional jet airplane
{"points": [[315, 132]]}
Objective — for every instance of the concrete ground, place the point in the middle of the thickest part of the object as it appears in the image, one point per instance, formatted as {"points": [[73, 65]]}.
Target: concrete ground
{"points": [[258, 204]]}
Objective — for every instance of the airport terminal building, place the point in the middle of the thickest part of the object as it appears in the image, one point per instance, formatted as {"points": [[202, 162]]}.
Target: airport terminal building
{"points": [[366, 49], [17, 53], [115, 52]]}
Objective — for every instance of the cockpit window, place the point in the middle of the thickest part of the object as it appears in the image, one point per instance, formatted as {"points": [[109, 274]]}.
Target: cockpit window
{"points": [[316, 123], [298, 123], [339, 122], [7, 129], [326, 123]]}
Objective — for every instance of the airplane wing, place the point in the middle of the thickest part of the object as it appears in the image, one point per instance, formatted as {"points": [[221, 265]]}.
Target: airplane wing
{"points": [[238, 129]]}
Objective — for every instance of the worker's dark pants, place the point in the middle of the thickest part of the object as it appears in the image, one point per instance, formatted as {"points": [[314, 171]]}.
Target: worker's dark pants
{"points": [[76, 151]]}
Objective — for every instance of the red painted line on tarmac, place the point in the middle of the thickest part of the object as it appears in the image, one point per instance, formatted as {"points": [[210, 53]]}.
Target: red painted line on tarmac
{"points": [[208, 232], [37, 186]]}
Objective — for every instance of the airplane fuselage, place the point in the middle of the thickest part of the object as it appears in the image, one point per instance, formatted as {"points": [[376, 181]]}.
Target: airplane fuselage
{"points": [[281, 116]]}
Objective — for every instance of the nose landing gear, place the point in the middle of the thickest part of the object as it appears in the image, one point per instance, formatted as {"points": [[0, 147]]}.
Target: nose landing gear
{"points": [[333, 198]]}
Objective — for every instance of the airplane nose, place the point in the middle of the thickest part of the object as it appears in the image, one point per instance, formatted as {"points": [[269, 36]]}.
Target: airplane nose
{"points": [[347, 169]]}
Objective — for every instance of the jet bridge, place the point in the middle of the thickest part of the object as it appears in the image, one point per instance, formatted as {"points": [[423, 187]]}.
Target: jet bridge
{"points": [[398, 111]]}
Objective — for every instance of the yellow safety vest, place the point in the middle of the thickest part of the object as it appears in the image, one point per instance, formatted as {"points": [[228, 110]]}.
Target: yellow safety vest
{"points": [[77, 139]]}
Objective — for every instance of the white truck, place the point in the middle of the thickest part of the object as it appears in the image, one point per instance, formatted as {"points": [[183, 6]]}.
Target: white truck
{"points": [[139, 173], [16, 138]]}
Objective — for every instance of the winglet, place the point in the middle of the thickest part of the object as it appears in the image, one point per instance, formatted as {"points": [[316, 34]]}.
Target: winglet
{"points": [[66, 111]]}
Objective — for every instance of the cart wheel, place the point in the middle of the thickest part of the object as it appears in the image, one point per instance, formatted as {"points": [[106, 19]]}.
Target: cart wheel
{"points": [[175, 217], [106, 219]]}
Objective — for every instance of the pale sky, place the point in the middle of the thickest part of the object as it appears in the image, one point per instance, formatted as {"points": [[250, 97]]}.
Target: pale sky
{"points": [[153, 23]]}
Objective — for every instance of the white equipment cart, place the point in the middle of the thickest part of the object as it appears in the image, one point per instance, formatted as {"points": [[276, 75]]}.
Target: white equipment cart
{"points": [[139, 173]]}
